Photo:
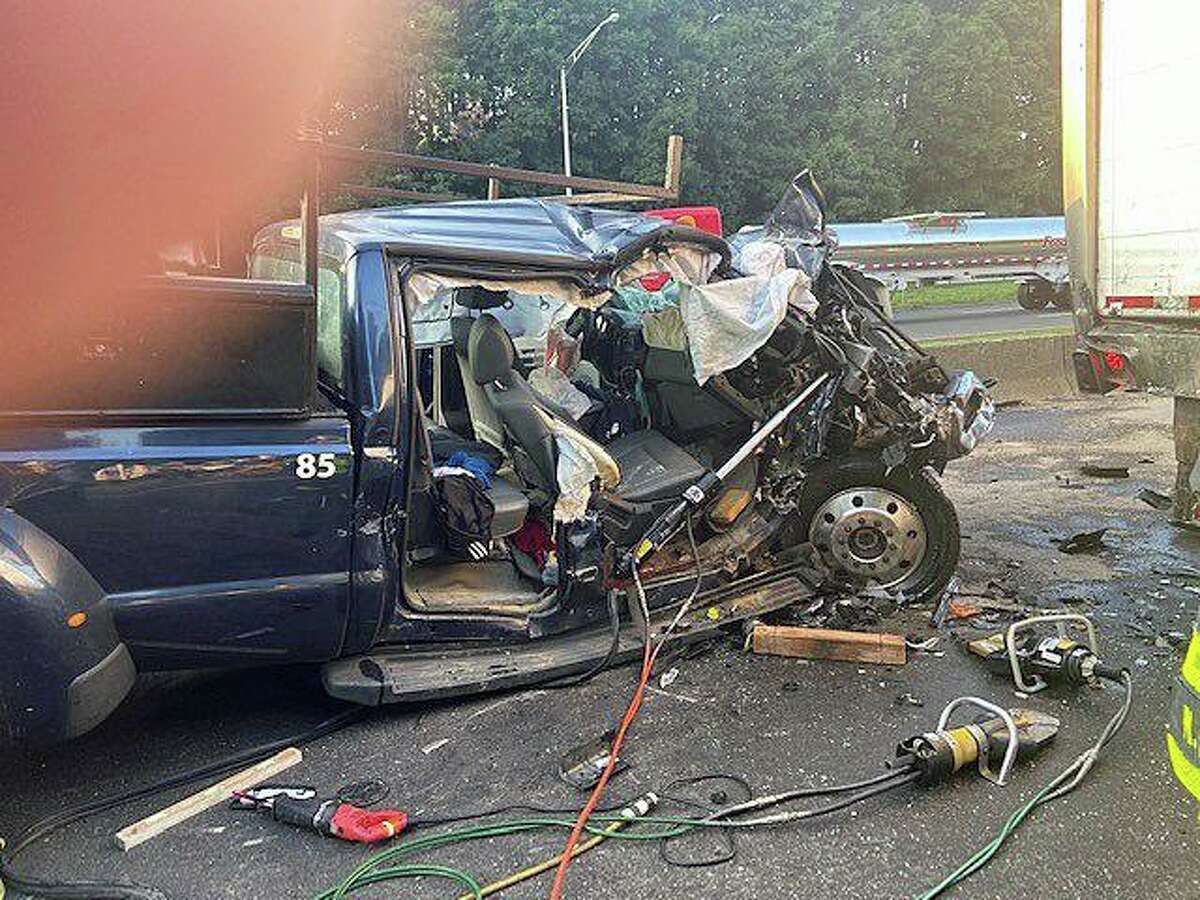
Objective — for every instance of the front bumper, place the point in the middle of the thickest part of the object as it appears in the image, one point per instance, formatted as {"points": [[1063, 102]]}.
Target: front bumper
{"points": [[968, 413]]}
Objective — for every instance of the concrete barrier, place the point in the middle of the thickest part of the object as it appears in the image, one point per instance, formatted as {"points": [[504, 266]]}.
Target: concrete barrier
{"points": [[1026, 366]]}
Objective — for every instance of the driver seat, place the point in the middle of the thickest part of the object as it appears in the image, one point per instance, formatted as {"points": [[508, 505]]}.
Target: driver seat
{"points": [[652, 467]]}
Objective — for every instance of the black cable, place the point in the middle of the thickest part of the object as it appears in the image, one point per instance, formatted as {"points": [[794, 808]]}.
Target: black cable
{"points": [[614, 621], [902, 777], [98, 890], [364, 793], [728, 836]]}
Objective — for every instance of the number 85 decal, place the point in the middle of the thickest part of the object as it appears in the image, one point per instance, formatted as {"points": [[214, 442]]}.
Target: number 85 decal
{"points": [[316, 465]]}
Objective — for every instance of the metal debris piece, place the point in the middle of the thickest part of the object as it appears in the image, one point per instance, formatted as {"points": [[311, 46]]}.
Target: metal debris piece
{"points": [[907, 697], [1065, 482], [582, 766], [921, 646], [1157, 499], [668, 678], [1083, 542], [942, 609], [1099, 470]]}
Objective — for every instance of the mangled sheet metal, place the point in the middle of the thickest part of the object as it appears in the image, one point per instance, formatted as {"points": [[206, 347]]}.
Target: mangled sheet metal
{"points": [[720, 323]]}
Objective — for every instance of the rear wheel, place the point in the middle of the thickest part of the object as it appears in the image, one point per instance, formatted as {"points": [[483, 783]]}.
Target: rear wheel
{"points": [[897, 531], [1029, 297]]}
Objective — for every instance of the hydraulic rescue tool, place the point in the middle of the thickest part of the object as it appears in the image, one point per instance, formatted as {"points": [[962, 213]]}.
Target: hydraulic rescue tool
{"points": [[329, 817], [1035, 662], [938, 754]]}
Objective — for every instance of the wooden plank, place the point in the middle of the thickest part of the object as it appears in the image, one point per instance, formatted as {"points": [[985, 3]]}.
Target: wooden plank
{"points": [[154, 825], [484, 170], [372, 190], [596, 198], [674, 172], [824, 643]]}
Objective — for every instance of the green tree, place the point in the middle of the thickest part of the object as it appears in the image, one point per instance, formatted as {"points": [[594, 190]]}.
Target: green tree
{"points": [[897, 105]]}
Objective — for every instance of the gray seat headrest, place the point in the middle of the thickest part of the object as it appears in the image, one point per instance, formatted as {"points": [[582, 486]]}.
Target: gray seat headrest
{"points": [[489, 350]]}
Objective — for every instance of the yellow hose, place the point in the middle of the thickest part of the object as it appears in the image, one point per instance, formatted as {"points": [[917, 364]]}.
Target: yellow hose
{"points": [[517, 877]]}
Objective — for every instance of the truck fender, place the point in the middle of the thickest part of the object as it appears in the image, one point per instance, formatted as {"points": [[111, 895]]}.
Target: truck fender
{"points": [[63, 668]]}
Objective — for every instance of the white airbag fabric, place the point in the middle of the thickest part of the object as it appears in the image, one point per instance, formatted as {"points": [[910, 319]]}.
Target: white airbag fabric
{"points": [[727, 321]]}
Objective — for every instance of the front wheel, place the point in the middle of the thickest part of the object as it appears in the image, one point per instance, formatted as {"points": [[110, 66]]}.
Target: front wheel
{"points": [[897, 531]]}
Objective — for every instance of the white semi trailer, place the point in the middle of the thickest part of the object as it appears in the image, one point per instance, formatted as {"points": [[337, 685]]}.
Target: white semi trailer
{"points": [[1131, 195]]}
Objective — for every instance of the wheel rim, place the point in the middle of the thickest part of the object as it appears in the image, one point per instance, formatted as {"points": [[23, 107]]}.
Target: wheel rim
{"points": [[870, 533]]}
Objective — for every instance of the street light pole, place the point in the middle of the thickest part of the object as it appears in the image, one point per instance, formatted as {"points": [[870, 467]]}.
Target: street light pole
{"points": [[563, 71]]}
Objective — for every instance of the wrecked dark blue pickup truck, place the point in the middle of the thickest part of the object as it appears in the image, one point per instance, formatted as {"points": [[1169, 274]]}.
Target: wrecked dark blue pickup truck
{"points": [[237, 473]]}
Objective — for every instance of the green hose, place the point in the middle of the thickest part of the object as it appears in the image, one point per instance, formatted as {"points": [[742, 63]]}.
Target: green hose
{"points": [[985, 853], [371, 873]]}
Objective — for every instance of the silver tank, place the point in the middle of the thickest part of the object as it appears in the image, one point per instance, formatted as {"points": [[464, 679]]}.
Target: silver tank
{"points": [[954, 246]]}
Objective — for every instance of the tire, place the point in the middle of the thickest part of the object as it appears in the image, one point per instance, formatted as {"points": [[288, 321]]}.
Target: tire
{"points": [[835, 483], [1029, 298], [1062, 299]]}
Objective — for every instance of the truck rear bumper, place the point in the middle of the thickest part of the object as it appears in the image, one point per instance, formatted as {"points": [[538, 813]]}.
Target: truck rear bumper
{"points": [[1155, 357], [93, 694]]}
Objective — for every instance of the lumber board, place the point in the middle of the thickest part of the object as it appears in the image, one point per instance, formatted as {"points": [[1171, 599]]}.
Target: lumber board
{"points": [[825, 643], [153, 825]]}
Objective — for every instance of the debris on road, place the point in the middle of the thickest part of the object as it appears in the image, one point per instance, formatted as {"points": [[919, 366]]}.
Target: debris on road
{"points": [[1154, 498], [942, 609], [1082, 542], [824, 643], [907, 697], [963, 610], [152, 826], [1100, 470], [582, 766], [926, 647], [1064, 481]]}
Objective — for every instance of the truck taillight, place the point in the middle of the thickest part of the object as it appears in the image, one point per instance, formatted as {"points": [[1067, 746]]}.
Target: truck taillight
{"points": [[706, 218], [1099, 371]]}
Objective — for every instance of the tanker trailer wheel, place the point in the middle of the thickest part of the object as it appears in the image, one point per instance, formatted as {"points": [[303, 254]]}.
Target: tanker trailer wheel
{"points": [[897, 531], [1028, 297]]}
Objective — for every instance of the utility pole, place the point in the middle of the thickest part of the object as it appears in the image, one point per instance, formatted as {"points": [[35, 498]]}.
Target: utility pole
{"points": [[564, 70]]}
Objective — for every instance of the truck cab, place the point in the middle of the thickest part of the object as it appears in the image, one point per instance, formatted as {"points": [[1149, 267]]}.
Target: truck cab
{"points": [[238, 472]]}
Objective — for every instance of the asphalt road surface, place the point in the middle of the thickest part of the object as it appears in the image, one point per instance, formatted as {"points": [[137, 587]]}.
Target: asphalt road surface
{"points": [[966, 320], [1128, 831]]}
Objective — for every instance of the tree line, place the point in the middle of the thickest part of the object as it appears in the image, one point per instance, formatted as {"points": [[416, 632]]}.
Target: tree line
{"points": [[897, 105]]}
